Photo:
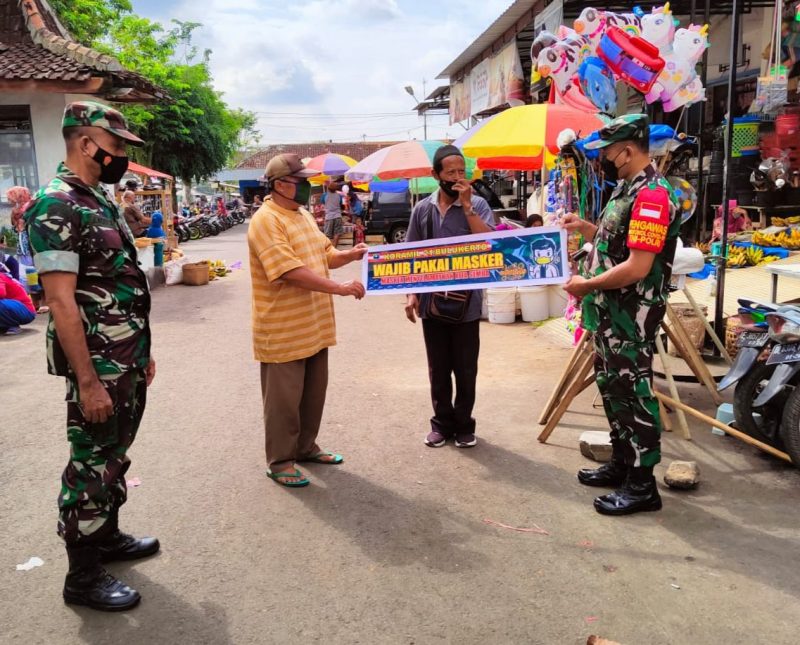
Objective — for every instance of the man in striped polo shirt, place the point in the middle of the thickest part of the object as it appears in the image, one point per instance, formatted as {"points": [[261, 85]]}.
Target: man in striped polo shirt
{"points": [[293, 320]]}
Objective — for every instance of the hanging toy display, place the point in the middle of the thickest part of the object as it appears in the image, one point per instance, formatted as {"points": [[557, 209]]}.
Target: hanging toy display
{"points": [[597, 84], [643, 50], [631, 58], [685, 195]]}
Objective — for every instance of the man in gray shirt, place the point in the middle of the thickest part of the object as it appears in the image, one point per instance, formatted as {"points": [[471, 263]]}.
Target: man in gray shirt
{"points": [[333, 214], [452, 347]]}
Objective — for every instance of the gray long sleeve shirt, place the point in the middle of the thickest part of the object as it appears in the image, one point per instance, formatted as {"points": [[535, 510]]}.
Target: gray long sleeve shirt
{"points": [[454, 223]]}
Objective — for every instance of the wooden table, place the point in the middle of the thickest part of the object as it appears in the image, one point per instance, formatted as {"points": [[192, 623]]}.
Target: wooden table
{"points": [[785, 270]]}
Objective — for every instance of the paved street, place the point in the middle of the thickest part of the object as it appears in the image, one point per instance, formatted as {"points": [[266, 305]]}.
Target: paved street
{"points": [[393, 546]]}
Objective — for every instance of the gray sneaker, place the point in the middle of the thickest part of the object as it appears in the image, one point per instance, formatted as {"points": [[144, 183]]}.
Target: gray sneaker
{"points": [[466, 440], [435, 439]]}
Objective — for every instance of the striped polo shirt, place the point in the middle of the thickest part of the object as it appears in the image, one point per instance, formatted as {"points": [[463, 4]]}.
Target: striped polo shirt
{"points": [[289, 323]]}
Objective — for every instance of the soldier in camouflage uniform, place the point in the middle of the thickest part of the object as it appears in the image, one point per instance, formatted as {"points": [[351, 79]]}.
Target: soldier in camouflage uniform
{"points": [[98, 338], [624, 300]]}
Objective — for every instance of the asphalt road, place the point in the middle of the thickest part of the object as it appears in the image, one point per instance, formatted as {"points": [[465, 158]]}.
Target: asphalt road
{"points": [[394, 545]]}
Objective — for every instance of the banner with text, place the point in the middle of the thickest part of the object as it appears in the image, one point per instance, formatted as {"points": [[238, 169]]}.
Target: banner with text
{"points": [[523, 257]]}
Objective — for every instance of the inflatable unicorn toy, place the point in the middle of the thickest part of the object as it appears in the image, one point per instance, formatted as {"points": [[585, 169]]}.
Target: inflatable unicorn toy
{"points": [[677, 84], [560, 61], [658, 28], [592, 24]]}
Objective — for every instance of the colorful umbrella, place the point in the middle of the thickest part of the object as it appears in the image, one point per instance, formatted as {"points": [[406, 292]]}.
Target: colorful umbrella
{"points": [[520, 137], [406, 160], [330, 165]]}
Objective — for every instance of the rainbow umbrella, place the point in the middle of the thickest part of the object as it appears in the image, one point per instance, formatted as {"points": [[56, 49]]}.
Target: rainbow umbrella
{"points": [[330, 165], [406, 160], [520, 138]]}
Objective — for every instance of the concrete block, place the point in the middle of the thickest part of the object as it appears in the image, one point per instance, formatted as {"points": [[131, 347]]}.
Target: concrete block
{"points": [[596, 445], [682, 474]]}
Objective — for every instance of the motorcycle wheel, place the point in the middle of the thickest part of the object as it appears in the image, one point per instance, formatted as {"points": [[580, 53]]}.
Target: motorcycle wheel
{"points": [[747, 390], [195, 233], [790, 427]]}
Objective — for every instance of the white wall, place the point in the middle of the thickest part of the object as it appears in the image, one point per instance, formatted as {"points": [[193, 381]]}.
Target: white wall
{"points": [[757, 28]]}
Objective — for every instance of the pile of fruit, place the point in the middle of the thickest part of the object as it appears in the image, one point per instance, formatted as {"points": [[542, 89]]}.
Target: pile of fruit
{"points": [[789, 239], [785, 221], [747, 257], [172, 254], [217, 269]]}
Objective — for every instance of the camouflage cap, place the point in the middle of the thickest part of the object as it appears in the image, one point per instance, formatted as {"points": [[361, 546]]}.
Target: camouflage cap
{"points": [[629, 127], [93, 114]]}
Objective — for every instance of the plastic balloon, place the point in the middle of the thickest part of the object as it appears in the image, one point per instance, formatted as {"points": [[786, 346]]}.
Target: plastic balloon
{"points": [[686, 196], [678, 84], [597, 84], [631, 58], [593, 23], [658, 28]]}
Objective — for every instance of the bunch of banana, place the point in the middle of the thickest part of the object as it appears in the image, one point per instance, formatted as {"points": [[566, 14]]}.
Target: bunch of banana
{"points": [[217, 269], [792, 239], [703, 247], [754, 256], [764, 239], [737, 257]]}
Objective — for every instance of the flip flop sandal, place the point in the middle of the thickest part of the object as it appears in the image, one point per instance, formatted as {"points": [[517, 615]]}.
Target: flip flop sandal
{"points": [[277, 477], [318, 459]]}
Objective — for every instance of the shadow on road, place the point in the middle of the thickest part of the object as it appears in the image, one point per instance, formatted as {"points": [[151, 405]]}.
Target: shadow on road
{"points": [[161, 617], [392, 529]]}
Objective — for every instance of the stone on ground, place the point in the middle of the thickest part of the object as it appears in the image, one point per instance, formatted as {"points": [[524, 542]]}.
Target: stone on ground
{"points": [[682, 474], [596, 445]]}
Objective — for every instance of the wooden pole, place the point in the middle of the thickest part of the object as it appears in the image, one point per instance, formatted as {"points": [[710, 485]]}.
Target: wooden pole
{"points": [[691, 356], [673, 390], [566, 378], [725, 428], [709, 329], [580, 383]]}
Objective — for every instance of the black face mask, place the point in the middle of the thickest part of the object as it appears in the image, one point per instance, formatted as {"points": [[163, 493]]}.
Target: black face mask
{"points": [[447, 187], [610, 170], [112, 167]]}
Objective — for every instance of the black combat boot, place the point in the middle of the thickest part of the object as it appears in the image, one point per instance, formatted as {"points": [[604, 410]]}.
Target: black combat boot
{"points": [[639, 493], [612, 474], [121, 546], [88, 583]]}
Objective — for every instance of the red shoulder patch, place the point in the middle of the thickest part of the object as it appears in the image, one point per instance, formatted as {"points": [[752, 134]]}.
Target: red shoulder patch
{"points": [[649, 223]]}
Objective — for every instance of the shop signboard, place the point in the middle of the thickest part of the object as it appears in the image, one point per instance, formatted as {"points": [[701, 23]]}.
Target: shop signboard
{"points": [[460, 101], [507, 85], [479, 87]]}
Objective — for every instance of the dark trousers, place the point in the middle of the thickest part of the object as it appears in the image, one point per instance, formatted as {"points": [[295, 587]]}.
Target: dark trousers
{"points": [[93, 485], [452, 350]]}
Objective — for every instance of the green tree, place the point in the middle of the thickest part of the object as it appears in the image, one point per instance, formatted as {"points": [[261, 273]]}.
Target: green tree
{"points": [[89, 20], [195, 133]]}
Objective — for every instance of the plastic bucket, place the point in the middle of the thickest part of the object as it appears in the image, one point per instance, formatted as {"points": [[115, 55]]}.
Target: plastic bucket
{"points": [[534, 302], [557, 300], [502, 305]]}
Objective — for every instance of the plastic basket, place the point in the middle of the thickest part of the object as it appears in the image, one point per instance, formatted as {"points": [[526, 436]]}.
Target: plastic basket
{"points": [[195, 274], [745, 139]]}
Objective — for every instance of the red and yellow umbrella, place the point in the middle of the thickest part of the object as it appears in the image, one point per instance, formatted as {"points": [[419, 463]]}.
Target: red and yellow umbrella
{"points": [[523, 137]]}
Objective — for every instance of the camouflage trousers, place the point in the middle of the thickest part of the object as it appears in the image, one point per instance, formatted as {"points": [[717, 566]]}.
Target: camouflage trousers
{"points": [[93, 484], [624, 372]]}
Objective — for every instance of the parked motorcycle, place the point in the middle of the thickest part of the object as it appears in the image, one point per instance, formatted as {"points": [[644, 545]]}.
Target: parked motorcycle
{"points": [[766, 372]]}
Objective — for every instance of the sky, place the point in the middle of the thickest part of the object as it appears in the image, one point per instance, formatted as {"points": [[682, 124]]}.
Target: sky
{"points": [[319, 70]]}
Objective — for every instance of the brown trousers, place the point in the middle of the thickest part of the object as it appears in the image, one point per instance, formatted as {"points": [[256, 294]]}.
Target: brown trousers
{"points": [[294, 397]]}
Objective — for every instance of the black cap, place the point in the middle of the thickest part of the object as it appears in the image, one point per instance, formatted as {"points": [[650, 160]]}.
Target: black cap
{"points": [[445, 151]]}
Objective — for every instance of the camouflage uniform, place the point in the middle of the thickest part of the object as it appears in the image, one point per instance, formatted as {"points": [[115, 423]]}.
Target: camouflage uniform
{"points": [[77, 228], [641, 214]]}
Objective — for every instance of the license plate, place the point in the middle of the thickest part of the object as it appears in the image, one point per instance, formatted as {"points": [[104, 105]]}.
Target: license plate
{"points": [[784, 354], [755, 339]]}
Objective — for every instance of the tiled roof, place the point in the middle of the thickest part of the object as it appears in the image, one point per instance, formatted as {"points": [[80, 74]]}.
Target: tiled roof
{"points": [[35, 46], [357, 150]]}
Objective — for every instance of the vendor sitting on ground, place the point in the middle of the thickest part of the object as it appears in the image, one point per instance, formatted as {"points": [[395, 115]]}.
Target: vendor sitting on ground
{"points": [[16, 308], [738, 221]]}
